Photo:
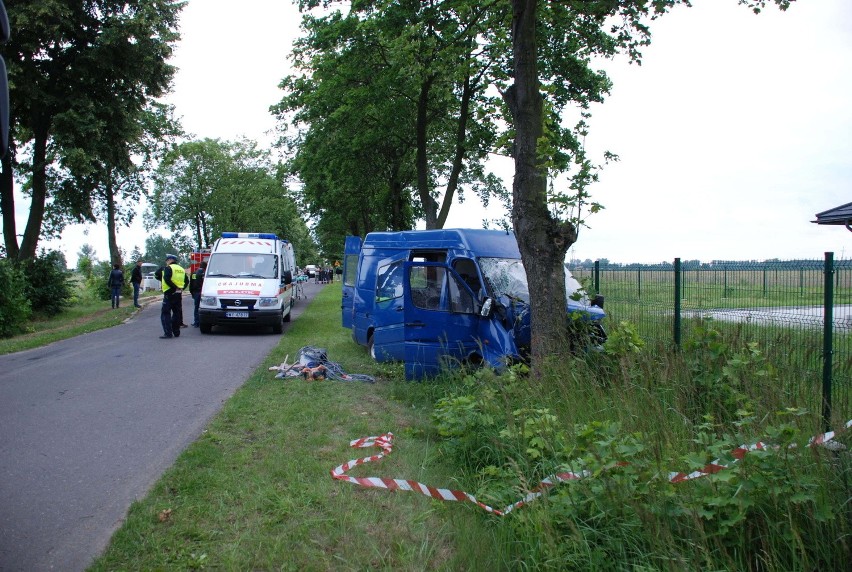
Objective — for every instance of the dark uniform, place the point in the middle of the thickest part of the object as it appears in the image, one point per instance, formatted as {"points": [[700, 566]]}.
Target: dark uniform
{"points": [[173, 278], [196, 282]]}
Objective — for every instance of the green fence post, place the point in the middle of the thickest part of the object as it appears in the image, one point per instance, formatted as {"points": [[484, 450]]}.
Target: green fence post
{"points": [[639, 281], [827, 335], [677, 302], [764, 281], [597, 276]]}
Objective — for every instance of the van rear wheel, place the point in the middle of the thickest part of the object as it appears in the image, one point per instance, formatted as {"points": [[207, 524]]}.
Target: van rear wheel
{"points": [[371, 349]]}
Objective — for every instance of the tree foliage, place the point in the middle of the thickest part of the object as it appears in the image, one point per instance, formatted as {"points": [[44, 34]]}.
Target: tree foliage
{"points": [[203, 188], [389, 120], [81, 75]]}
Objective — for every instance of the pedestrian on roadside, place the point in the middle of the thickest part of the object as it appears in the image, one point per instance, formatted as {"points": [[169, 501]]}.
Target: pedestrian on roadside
{"points": [[116, 282], [173, 280], [196, 281], [136, 281]]}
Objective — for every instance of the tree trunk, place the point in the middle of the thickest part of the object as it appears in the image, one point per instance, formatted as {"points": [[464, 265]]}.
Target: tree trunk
{"points": [[114, 253], [7, 205], [397, 219], [542, 240], [458, 159], [430, 206], [32, 232]]}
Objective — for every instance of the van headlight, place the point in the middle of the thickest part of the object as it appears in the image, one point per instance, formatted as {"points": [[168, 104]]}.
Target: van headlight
{"points": [[208, 301], [267, 302]]}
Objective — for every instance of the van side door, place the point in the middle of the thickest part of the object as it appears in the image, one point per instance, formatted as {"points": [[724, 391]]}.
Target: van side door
{"points": [[352, 248], [441, 319]]}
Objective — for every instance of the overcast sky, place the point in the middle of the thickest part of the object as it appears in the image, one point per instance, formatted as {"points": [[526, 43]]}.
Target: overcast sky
{"points": [[732, 134]]}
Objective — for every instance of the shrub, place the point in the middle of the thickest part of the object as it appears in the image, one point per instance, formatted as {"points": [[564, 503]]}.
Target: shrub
{"points": [[49, 286], [15, 308]]}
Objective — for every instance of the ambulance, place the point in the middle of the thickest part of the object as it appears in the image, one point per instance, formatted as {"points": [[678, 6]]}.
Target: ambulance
{"points": [[248, 282]]}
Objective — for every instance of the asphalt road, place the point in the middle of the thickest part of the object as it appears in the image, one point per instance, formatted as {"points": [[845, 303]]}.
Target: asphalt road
{"points": [[88, 425]]}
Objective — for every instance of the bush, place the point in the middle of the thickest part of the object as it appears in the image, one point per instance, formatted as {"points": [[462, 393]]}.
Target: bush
{"points": [[15, 309], [49, 285]]}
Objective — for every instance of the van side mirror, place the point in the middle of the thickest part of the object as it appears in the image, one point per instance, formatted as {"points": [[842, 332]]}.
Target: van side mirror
{"points": [[288, 277], [598, 301], [485, 311]]}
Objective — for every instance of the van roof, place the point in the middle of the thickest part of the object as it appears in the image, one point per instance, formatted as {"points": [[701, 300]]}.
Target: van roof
{"points": [[490, 243]]}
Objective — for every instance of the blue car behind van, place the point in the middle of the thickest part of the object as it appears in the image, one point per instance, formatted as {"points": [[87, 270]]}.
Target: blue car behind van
{"points": [[431, 298]]}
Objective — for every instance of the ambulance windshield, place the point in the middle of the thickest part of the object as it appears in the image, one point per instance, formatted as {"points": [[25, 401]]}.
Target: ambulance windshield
{"points": [[238, 265]]}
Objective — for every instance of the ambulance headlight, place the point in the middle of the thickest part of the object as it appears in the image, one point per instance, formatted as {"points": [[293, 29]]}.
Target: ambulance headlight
{"points": [[208, 300], [267, 302]]}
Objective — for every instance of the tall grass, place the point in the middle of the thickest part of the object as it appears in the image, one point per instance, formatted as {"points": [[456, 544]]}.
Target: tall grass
{"points": [[629, 418]]}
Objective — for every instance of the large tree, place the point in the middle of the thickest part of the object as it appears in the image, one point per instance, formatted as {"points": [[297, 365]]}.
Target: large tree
{"points": [[553, 45], [203, 188], [81, 74], [397, 90]]}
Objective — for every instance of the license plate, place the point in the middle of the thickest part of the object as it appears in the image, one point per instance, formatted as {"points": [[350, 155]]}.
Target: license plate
{"points": [[236, 314]]}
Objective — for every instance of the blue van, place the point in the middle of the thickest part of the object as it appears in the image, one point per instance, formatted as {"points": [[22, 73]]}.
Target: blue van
{"points": [[433, 297]]}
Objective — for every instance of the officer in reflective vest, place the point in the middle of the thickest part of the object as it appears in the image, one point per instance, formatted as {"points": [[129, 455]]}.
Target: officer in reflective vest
{"points": [[173, 279]]}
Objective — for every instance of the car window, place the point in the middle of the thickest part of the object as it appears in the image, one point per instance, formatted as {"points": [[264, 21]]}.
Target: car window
{"points": [[389, 282]]}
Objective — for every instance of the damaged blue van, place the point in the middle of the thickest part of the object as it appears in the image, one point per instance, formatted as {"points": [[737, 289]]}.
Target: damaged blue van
{"points": [[430, 298]]}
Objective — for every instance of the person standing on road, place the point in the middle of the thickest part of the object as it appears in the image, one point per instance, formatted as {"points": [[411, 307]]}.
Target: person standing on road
{"points": [[136, 280], [196, 281], [173, 280], [116, 282]]}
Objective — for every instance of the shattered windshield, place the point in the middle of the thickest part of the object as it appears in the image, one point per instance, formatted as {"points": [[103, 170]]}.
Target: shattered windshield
{"points": [[506, 276]]}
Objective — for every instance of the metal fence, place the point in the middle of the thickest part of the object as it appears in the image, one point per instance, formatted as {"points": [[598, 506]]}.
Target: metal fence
{"points": [[798, 312]]}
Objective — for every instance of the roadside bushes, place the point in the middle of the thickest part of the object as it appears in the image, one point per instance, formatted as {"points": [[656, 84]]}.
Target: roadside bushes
{"points": [[49, 285], [15, 308], [41, 286]]}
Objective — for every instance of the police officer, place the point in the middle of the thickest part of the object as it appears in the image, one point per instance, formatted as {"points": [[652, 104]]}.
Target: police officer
{"points": [[173, 279], [196, 284]]}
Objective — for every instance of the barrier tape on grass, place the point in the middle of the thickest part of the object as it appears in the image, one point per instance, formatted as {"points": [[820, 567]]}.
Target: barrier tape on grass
{"points": [[385, 443]]}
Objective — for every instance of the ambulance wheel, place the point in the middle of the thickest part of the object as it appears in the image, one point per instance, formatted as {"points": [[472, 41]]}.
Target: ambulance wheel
{"points": [[278, 327], [205, 328]]}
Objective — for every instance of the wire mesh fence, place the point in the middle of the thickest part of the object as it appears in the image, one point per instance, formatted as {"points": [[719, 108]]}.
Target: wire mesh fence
{"points": [[780, 305]]}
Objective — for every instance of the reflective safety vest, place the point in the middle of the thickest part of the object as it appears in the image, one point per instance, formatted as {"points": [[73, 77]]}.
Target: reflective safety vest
{"points": [[178, 277]]}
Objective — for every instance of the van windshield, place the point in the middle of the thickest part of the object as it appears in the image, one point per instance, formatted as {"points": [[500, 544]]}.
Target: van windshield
{"points": [[238, 265], [506, 276]]}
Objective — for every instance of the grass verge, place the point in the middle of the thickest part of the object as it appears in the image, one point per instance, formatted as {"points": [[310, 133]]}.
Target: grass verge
{"points": [[83, 317], [254, 492]]}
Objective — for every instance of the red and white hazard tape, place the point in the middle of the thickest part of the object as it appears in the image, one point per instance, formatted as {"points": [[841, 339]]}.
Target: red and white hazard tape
{"points": [[385, 443]]}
